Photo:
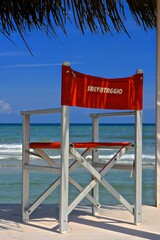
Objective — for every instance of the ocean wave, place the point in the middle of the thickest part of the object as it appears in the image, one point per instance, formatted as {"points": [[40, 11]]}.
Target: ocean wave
{"points": [[18, 148], [130, 156], [125, 159], [102, 157], [10, 157], [14, 152]]}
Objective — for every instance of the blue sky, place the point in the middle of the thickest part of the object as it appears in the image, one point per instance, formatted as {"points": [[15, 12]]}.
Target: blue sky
{"points": [[34, 82]]}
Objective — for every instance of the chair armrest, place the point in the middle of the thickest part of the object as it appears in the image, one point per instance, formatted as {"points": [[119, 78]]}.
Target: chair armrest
{"points": [[41, 111], [112, 114]]}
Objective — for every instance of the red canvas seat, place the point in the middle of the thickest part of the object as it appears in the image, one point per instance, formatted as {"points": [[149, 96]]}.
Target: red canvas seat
{"points": [[124, 96], [100, 144], [54, 145], [45, 145]]}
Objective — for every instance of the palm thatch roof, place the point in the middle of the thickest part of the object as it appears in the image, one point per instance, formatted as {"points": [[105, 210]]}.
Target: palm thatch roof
{"points": [[97, 15]]}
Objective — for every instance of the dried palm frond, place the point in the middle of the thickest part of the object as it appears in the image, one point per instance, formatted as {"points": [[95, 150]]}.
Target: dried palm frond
{"points": [[97, 15]]}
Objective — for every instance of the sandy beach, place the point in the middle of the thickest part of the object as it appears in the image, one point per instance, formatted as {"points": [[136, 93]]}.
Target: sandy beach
{"points": [[114, 222]]}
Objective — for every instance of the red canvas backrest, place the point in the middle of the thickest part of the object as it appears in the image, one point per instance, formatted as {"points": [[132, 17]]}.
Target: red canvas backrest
{"points": [[83, 90]]}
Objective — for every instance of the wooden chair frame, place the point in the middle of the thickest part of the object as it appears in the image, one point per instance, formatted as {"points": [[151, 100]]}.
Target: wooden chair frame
{"points": [[65, 168]]}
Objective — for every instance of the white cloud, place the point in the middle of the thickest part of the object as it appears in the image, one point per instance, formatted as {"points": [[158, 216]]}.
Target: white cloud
{"points": [[4, 107], [13, 54], [32, 65], [37, 65]]}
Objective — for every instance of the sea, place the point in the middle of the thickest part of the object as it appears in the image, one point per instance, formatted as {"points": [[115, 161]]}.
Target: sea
{"points": [[122, 180]]}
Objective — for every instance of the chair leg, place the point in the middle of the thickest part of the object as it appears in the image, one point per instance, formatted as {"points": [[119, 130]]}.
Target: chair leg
{"points": [[64, 178], [64, 173], [95, 210], [138, 192], [95, 191], [25, 172], [138, 169], [25, 195], [63, 219]]}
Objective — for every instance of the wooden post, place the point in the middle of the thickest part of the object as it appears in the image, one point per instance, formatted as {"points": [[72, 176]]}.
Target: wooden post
{"points": [[157, 163]]}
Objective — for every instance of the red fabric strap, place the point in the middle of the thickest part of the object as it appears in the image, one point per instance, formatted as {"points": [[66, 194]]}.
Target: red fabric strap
{"points": [[45, 145], [56, 145], [100, 144]]}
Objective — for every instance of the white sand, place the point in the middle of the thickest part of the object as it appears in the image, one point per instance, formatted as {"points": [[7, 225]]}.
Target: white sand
{"points": [[112, 223]]}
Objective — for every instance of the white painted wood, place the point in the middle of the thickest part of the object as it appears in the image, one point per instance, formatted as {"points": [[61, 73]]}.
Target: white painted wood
{"points": [[64, 176], [112, 114], [25, 172], [41, 111], [95, 156], [138, 168]]}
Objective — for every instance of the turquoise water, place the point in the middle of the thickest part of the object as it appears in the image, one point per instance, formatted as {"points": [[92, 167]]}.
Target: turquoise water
{"points": [[11, 151]]}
